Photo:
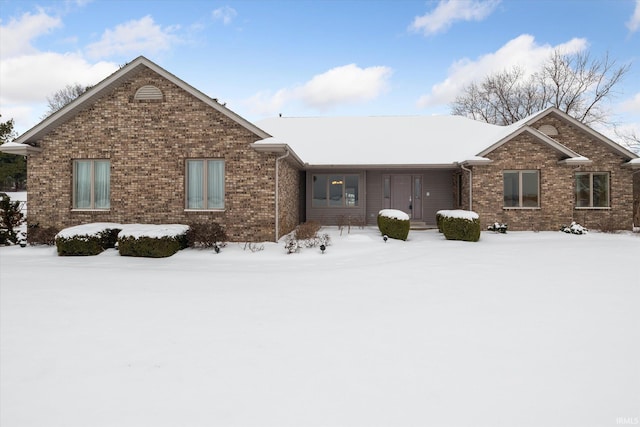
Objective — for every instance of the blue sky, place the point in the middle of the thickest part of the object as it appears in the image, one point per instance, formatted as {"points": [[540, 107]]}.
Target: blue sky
{"points": [[308, 58]]}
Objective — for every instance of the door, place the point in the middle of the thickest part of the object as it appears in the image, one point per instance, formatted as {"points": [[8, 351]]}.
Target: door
{"points": [[401, 194]]}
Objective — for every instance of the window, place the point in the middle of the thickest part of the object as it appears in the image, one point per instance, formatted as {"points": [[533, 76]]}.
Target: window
{"points": [[592, 190], [521, 189], [205, 184], [91, 184], [335, 191]]}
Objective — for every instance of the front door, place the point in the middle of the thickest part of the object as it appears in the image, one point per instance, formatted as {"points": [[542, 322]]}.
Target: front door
{"points": [[402, 193]]}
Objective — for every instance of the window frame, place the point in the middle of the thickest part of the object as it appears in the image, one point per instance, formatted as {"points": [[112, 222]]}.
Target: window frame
{"points": [[590, 189], [205, 184], [92, 185], [329, 179], [520, 173]]}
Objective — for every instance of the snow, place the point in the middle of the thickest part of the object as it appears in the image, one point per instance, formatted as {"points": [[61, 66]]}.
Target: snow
{"points": [[459, 213], [394, 213], [385, 140], [527, 329], [93, 229]]}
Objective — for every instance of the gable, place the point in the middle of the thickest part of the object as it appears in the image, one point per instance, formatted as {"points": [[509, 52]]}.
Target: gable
{"points": [[108, 85]]}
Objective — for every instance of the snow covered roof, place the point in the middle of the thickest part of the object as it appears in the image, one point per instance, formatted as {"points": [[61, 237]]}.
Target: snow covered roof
{"points": [[429, 141], [387, 140], [18, 149]]}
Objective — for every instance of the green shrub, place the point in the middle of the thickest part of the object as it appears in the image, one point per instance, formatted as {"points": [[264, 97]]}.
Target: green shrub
{"points": [[393, 227], [461, 228], [151, 247], [79, 245], [90, 243], [10, 218]]}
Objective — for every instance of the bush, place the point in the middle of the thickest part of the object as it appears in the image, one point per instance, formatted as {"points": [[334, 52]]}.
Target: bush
{"points": [[574, 228], [460, 225], [439, 217], [394, 224], [306, 236], [79, 245], [153, 241], [37, 235], [151, 247], [87, 243], [10, 218], [206, 235], [306, 230]]}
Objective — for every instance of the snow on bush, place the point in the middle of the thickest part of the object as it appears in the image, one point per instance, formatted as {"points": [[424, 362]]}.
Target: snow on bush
{"points": [[394, 224], [574, 228], [459, 224]]}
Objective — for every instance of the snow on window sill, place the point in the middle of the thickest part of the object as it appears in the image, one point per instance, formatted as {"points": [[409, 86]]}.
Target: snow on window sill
{"points": [[91, 210], [518, 208], [205, 210], [594, 208]]}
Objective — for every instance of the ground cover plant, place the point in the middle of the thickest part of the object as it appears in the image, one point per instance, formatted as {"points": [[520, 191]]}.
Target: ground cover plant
{"points": [[426, 331]]}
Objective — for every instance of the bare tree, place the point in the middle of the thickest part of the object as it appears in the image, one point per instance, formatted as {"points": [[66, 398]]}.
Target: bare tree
{"points": [[63, 97], [575, 84]]}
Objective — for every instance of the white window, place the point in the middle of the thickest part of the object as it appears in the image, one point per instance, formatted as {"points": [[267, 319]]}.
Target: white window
{"points": [[205, 184], [335, 191], [521, 189], [592, 190], [91, 184]]}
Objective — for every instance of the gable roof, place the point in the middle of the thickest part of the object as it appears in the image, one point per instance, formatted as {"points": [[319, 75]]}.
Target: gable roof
{"points": [[94, 93], [527, 123]]}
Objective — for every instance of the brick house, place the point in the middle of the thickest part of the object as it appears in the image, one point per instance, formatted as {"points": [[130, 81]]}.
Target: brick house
{"points": [[143, 146]]}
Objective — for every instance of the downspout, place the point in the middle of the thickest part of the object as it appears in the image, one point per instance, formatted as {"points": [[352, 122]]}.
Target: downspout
{"points": [[278, 194], [470, 186]]}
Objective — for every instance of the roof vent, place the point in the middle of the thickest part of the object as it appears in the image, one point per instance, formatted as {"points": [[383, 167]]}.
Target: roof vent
{"points": [[148, 93], [548, 130]]}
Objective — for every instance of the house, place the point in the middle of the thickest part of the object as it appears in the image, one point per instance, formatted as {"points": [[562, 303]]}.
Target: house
{"points": [[143, 146]]}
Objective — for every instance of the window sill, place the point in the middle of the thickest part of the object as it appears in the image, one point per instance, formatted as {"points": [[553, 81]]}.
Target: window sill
{"points": [[91, 210], [516, 208], [589, 208], [205, 210]]}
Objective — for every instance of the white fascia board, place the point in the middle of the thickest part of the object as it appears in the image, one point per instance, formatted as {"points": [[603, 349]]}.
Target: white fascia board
{"points": [[19, 149]]}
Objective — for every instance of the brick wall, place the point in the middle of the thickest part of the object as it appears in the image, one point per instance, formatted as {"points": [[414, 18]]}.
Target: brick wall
{"points": [[147, 143], [557, 182]]}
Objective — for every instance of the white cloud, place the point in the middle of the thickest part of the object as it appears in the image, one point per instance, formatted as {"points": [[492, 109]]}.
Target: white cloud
{"points": [[631, 105], [521, 51], [17, 34], [634, 22], [133, 38], [449, 11], [225, 14], [348, 84]]}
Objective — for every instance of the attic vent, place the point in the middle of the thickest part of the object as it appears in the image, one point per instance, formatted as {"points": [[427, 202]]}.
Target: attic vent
{"points": [[548, 130], [147, 93]]}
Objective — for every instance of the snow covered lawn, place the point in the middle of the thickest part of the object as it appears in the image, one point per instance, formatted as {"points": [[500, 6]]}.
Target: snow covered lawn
{"points": [[519, 329]]}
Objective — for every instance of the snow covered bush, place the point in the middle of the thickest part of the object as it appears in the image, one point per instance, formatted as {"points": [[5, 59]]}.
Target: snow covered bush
{"points": [[394, 223], [306, 236], [574, 228], [206, 235], [459, 225], [87, 239], [152, 241], [497, 227], [10, 218]]}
